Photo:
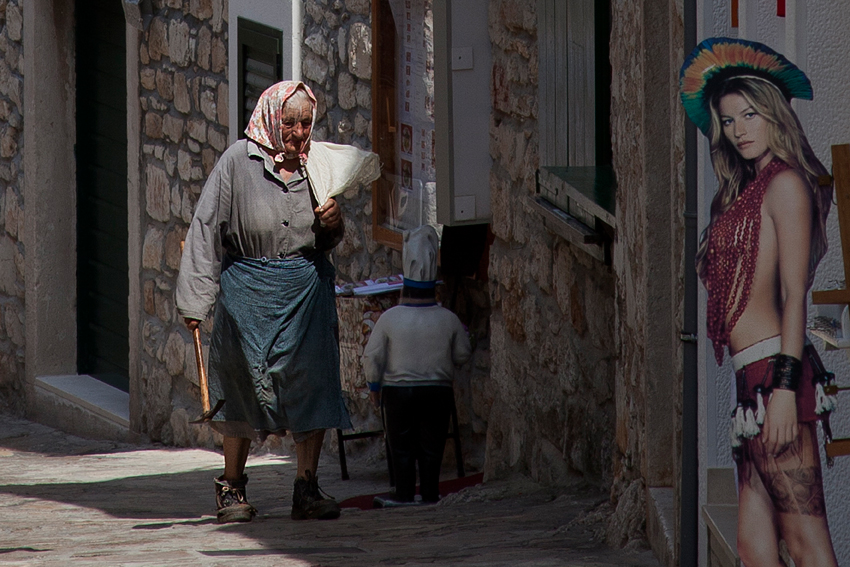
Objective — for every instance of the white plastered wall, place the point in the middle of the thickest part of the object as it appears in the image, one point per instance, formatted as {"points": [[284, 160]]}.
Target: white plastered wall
{"points": [[814, 36], [284, 15]]}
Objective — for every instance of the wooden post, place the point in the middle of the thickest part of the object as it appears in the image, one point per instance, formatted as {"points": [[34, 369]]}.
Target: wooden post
{"points": [[841, 177]]}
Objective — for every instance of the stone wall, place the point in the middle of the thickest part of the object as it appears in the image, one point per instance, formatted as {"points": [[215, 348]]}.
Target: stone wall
{"points": [[647, 128], [183, 92], [12, 313], [552, 330]]}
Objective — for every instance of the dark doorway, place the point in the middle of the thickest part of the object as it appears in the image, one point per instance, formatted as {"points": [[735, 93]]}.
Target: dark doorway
{"points": [[102, 265]]}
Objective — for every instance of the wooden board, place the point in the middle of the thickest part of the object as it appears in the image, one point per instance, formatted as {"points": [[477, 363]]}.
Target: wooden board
{"points": [[838, 448], [841, 175]]}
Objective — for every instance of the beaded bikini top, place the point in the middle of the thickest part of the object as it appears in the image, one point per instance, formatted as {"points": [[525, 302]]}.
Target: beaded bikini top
{"points": [[733, 249]]}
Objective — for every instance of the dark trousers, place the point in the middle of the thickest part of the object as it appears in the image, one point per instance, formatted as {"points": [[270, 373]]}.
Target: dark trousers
{"points": [[417, 421]]}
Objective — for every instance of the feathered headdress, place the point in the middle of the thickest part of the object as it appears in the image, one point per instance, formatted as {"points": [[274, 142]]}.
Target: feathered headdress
{"points": [[720, 58]]}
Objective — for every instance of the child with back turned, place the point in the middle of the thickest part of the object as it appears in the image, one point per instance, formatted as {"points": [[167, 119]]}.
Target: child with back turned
{"points": [[409, 362]]}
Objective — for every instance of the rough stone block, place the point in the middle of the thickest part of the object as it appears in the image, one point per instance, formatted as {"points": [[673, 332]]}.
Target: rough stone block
{"points": [[184, 164], [222, 105], [360, 51], [315, 68], [158, 38], [187, 207], [178, 43], [361, 7], [153, 125], [165, 84], [331, 20], [148, 290], [7, 265], [144, 56], [361, 125], [164, 310], [342, 45], [219, 55], [346, 91], [175, 349], [317, 43], [197, 129], [8, 142], [208, 106], [170, 159], [175, 199], [201, 9], [14, 322], [219, 15], [315, 11], [172, 127], [217, 139], [14, 22], [208, 160], [152, 249], [15, 88], [204, 48], [628, 520], [181, 94], [363, 94], [157, 198], [147, 77]]}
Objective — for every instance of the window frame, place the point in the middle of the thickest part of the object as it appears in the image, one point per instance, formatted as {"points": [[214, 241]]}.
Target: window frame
{"points": [[258, 36]]}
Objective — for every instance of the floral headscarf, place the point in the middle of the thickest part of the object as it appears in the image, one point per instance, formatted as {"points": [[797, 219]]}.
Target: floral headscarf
{"points": [[264, 126]]}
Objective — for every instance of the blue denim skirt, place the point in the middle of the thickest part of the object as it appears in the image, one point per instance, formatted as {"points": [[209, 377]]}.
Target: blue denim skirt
{"points": [[274, 350]]}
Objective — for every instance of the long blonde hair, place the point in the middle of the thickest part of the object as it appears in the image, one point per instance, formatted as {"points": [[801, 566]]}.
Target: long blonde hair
{"points": [[787, 142]]}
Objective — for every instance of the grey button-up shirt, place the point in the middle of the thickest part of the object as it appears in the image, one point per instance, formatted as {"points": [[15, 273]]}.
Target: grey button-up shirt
{"points": [[246, 209]]}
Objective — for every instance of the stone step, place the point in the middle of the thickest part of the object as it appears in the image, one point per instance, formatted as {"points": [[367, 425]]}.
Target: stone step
{"points": [[82, 406]]}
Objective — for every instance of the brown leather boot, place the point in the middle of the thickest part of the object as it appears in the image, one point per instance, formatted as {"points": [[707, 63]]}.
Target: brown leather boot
{"points": [[232, 502], [308, 502]]}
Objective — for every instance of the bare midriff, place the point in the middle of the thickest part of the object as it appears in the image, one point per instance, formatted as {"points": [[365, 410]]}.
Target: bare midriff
{"points": [[762, 317]]}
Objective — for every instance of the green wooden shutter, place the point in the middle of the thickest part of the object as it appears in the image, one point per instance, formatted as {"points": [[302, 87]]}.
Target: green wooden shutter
{"points": [[260, 65]]}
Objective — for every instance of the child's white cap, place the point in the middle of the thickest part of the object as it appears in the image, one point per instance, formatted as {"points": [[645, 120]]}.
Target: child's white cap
{"points": [[419, 255]]}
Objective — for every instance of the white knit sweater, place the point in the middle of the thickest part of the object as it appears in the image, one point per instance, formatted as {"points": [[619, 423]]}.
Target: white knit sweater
{"points": [[415, 346]]}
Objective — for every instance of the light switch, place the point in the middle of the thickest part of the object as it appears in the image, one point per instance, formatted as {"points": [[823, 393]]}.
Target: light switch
{"points": [[461, 58], [465, 208]]}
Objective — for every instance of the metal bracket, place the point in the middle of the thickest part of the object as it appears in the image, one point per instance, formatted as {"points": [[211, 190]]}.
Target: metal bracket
{"points": [[687, 337]]}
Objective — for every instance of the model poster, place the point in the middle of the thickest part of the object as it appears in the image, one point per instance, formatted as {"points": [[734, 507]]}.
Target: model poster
{"points": [[757, 259]]}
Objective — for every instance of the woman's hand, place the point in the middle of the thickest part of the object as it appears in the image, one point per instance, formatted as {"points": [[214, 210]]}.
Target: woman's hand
{"points": [[191, 324], [329, 214], [780, 422], [375, 397]]}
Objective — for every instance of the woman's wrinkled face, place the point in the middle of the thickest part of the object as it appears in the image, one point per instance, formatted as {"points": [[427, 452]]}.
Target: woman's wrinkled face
{"points": [[296, 123], [745, 128]]}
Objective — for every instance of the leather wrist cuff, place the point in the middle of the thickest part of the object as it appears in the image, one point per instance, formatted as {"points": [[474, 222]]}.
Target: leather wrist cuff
{"points": [[786, 372]]}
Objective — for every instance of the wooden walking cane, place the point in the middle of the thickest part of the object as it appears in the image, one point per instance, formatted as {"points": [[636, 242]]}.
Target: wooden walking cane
{"points": [[202, 377], [202, 382]]}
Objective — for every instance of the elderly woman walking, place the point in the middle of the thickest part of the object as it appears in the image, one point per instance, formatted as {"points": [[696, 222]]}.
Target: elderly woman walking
{"points": [[257, 244]]}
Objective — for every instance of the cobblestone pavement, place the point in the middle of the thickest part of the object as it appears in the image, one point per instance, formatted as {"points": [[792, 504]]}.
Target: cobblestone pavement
{"points": [[71, 501]]}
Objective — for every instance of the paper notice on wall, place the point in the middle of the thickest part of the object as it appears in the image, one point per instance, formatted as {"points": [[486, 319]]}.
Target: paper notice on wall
{"points": [[415, 194]]}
